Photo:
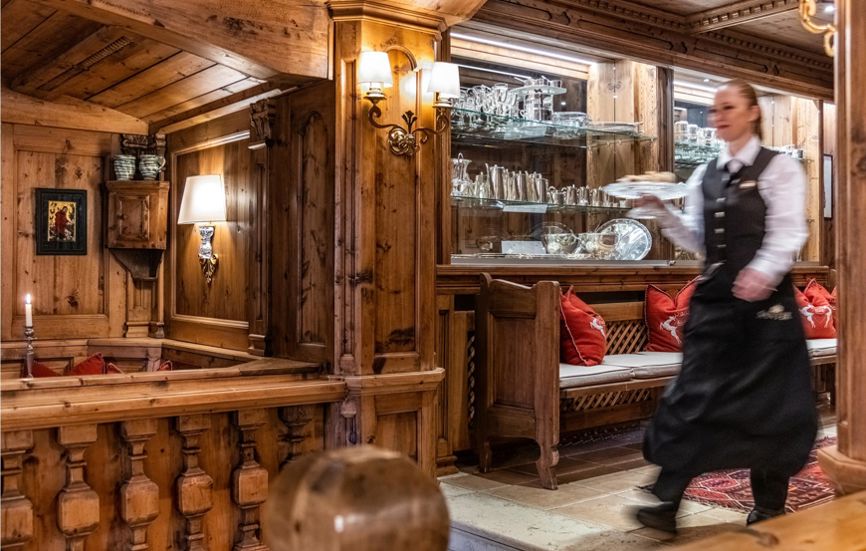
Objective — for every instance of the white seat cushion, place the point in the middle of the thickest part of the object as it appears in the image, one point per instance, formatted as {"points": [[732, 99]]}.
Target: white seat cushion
{"points": [[821, 347], [571, 376], [647, 365]]}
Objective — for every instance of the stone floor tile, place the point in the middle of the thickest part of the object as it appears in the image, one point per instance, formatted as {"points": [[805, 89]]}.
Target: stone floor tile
{"points": [[542, 498], [473, 482]]}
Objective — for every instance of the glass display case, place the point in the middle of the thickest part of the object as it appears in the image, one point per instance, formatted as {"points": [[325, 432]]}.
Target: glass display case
{"points": [[531, 154]]}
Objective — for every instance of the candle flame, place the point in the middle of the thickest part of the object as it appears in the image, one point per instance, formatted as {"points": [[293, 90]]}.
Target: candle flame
{"points": [[27, 299]]}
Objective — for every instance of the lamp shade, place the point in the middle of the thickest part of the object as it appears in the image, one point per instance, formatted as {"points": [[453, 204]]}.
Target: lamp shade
{"points": [[445, 79], [204, 200], [374, 68]]}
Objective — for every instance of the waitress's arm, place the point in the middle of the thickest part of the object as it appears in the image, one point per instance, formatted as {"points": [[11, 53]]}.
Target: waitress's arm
{"points": [[686, 228]]}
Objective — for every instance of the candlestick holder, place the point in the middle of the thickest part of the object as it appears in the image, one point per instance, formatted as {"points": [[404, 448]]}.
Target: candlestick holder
{"points": [[28, 361]]}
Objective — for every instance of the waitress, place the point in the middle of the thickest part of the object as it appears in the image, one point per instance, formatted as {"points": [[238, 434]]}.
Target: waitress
{"points": [[743, 398]]}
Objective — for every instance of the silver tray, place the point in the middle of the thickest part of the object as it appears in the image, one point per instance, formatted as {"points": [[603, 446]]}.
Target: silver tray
{"points": [[634, 240]]}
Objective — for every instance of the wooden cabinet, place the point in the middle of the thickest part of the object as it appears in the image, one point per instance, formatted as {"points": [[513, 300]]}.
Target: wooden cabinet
{"points": [[137, 214]]}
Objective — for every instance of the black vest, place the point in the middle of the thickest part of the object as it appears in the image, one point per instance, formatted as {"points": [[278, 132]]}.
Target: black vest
{"points": [[734, 213]]}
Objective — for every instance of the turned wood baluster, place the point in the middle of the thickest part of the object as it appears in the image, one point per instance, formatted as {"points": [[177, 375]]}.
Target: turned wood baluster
{"points": [[77, 504], [296, 420], [250, 481], [194, 486], [139, 495], [17, 510]]}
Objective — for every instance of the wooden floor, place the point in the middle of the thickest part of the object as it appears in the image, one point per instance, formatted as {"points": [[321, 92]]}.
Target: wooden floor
{"points": [[839, 525]]}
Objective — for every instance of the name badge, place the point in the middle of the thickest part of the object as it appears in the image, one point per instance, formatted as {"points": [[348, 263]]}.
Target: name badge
{"points": [[748, 184]]}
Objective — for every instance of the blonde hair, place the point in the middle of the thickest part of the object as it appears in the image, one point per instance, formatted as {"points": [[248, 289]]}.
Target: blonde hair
{"points": [[748, 91]]}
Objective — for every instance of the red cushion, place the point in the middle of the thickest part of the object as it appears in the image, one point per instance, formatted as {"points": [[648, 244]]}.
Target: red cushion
{"points": [[583, 335], [665, 316], [39, 370], [814, 289], [165, 365], [816, 314], [94, 365]]}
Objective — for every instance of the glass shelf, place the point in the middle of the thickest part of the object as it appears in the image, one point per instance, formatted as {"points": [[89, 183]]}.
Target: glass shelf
{"points": [[530, 207], [480, 128]]}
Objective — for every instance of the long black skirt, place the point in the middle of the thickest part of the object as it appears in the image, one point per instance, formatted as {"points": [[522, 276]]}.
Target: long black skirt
{"points": [[743, 398]]}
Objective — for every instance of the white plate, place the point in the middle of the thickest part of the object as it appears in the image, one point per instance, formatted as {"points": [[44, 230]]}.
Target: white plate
{"points": [[634, 240], [632, 190]]}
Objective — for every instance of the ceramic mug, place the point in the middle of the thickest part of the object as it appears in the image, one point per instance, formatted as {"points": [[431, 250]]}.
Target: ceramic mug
{"points": [[150, 165], [124, 167]]}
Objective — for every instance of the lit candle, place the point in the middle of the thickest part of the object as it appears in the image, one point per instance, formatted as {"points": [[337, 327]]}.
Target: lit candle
{"points": [[28, 311]]}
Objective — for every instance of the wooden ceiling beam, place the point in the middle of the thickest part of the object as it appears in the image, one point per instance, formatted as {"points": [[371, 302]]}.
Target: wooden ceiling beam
{"points": [[66, 112], [218, 108], [259, 38], [738, 12], [623, 28]]}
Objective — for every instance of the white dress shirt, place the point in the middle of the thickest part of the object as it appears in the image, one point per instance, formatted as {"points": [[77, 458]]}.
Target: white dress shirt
{"points": [[782, 186]]}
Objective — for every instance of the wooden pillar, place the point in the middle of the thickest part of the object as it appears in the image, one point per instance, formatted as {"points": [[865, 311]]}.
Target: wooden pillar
{"points": [[194, 486], [139, 495], [297, 420], [262, 116], [77, 504], [249, 482], [17, 510], [845, 463]]}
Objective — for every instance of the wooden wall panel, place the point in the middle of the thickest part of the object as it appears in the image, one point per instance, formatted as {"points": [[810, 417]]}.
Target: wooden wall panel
{"points": [[301, 194], [217, 314], [73, 295]]}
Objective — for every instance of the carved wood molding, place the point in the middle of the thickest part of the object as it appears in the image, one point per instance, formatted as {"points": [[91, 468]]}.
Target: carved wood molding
{"points": [[263, 113], [738, 12], [628, 29]]}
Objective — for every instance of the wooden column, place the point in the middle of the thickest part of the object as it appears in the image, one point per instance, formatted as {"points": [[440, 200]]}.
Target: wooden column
{"points": [[249, 482], [262, 115], [194, 486], [845, 463], [139, 495], [297, 420], [77, 504], [17, 510]]}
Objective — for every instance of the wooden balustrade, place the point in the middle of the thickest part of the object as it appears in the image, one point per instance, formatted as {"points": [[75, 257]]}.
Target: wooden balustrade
{"points": [[177, 460]]}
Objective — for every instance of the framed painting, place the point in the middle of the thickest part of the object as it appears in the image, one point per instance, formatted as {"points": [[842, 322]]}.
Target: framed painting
{"points": [[61, 221]]}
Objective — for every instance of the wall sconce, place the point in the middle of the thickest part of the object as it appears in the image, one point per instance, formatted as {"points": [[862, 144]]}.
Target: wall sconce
{"points": [[808, 10], [374, 74], [204, 202]]}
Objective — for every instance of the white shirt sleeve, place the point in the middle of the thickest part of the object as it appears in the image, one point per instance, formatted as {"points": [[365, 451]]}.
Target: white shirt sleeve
{"points": [[783, 188], [686, 229]]}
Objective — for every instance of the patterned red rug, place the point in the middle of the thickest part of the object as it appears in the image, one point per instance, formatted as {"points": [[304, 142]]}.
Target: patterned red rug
{"points": [[731, 489]]}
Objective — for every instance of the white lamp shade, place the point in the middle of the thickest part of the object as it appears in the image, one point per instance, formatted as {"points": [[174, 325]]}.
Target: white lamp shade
{"points": [[445, 79], [204, 200], [374, 68]]}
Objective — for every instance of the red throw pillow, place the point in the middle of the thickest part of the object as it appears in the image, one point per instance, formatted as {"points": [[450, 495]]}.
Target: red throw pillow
{"points": [[94, 365], [165, 365], [665, 316], [817, 316], [814, 289], [583, 335], [39, 370]]}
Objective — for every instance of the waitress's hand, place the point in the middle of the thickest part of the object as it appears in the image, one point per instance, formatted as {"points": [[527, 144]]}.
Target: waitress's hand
{"points": [[752, 285], [651, 201]]}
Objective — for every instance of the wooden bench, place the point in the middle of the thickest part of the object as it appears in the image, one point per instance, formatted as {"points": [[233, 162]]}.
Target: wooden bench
{"points": [[524, 391]]}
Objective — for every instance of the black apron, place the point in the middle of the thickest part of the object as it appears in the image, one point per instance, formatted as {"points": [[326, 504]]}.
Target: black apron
{"points": [[743, 398]]}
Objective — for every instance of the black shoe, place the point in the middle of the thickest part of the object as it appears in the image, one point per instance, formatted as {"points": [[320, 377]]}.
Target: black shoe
{"points": [[758, 514], [661, 517]]}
